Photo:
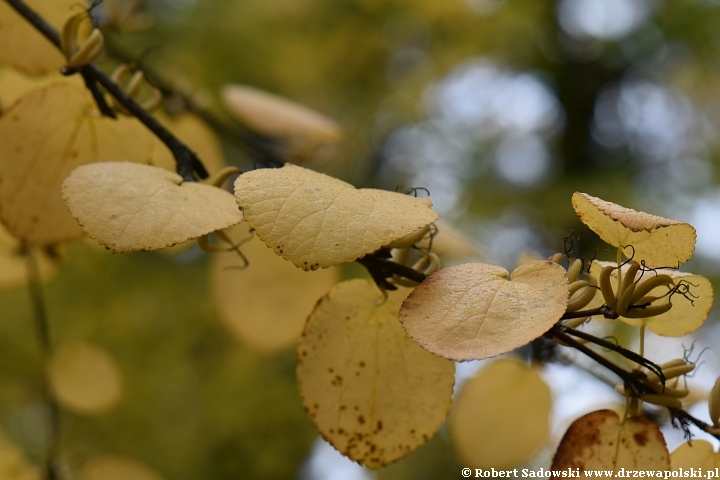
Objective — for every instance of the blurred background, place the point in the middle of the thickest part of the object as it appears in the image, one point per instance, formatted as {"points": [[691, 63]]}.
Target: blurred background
{"points": [[501, 109]]}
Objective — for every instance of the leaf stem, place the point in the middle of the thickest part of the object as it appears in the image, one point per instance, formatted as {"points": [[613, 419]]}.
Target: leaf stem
{"points": [[187, 161], [42, 331]]}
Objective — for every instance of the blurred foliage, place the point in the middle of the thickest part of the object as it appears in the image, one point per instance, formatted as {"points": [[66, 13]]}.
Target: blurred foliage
{"points": [[198, 405]]}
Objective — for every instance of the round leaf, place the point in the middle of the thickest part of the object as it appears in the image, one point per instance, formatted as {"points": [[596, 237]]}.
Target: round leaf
{"points": [[15, 84], [373, 393], [129, 207], [600, 441], [43, 138], [317, 221], [501, 416], [266, 304], [84, 379], [474, 311], [698, 454], [658, 241], [113, 467]]}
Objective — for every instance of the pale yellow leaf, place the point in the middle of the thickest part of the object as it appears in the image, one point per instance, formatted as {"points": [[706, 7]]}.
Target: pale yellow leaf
{"points": [[698, 454], [688, 313], [196, 135], [317, 221], [13, 464], [501, 416], [277, 116], [475, 310], [43, 137], [15, 84], [266, 304], [13, 264], [373, 393], [601, 441], [658, 241], [25, 48], [129, 207], [84, 379], [114, 467]]}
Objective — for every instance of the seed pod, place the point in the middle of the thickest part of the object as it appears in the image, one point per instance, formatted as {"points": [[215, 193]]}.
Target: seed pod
{"points": [[714, 404]]}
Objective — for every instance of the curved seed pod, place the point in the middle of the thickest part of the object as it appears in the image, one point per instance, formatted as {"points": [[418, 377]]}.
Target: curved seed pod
{"points": [[669, 391], [624, 300], [577, 285], [671, 372], [676, 362], [218, 178], [433, 264], [661, 400], [583, 300], [91, 48], [411, 239], [714, 404], [647, 312], [574, 270], [646, 286], [556, 258], [576, 322], [629, 277], [606, 287]]}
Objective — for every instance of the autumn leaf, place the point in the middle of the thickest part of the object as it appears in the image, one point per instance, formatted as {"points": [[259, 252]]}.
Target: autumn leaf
{"points": [[501, 416], [266, 304], [475, 311], [658, 241], [698, 454], [373, 393], [601, 441], [43, 137], [84, 379], [277, 116], [24, 47], [129, 207], [317, 221]]}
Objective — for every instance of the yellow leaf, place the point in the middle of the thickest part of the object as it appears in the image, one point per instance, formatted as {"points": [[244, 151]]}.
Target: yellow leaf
{"points": [[501, 416], [266, 304], [698, 454], [474, 311], [687, 313], [277, 116], [129, 207], [658, 241], [14, 84], [25, 48], [13, 264], [197, 136], [84, 379], [114, 467], [373, 393], [43, 137], [600, 441], [317, 221]]}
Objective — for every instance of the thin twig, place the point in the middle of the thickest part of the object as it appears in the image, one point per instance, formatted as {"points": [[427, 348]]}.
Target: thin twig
{"points": [[187, 161], [42, 331]]}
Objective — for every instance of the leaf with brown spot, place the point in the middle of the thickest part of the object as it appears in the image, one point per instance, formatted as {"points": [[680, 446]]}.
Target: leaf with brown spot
{"points": [[317, 221], [476, 311], [43, 137], [129, 207], [373, 393], [659, 241], [509, 399], [242, 295], [600, 441], [84, 379]]}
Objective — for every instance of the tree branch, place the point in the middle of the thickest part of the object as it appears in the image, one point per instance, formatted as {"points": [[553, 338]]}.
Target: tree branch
{"points": [[187, 161]]}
